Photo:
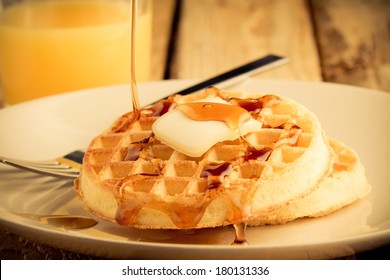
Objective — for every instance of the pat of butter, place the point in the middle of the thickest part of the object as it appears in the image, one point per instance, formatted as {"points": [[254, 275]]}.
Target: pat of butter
{"points": [[193, 137]]}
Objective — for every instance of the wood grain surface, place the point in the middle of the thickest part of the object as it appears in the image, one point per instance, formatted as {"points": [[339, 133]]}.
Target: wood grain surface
{"points": [[215, 35], [354, 41]]}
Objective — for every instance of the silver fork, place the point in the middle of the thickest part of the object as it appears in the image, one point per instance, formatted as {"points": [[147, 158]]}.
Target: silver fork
{"points": [[67, 166]]}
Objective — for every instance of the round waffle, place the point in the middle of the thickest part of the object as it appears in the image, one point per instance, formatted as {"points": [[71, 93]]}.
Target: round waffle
{"points": [[130, 177], [346, 184]]}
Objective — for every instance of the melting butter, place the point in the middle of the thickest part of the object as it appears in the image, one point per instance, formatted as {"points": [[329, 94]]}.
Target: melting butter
{"points": [[194, 128], [233, 116]]}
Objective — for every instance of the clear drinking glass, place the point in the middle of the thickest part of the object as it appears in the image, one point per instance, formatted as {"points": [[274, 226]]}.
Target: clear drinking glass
{"points": [[55, 46]]}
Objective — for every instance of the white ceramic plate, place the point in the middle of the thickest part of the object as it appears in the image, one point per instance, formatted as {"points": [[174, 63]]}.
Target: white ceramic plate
{"points": [[49, 127]]}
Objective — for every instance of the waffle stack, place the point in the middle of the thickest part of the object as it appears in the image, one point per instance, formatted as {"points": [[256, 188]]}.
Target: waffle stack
{"points": [[132, 178], [346, 184]]}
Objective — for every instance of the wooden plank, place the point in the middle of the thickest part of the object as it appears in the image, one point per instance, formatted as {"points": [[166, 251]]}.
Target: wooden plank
{"points": [[216, 35], [163, 12], [354, 41]]}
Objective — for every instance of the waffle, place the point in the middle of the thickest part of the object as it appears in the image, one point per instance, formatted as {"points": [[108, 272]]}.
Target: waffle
{"points": [[131, 178], [346, 184]]}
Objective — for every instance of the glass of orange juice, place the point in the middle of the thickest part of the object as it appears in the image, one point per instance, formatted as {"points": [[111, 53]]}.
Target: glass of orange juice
{"points": [[55, 46]]}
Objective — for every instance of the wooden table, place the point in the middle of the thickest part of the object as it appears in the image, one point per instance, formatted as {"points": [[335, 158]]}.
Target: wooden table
{"points": [[335, 41]]}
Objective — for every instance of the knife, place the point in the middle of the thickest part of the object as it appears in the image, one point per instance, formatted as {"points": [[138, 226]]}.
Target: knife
{"points": [[237, 74]]}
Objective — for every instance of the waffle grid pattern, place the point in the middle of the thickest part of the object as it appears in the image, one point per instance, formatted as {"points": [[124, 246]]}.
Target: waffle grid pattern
{"points": [[107, 155], [138, 171]]}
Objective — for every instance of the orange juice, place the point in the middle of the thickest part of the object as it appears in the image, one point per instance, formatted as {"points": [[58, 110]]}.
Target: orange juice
{"points": [[53, 46]]}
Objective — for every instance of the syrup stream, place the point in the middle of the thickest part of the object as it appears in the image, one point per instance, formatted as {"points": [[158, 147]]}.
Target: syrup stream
{"points": [[133, 81], [135, 116]]}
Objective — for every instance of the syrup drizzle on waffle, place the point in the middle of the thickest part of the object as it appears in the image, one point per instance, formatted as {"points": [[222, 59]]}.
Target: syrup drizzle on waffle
{"points": [[212, 174], [240, 234]]}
